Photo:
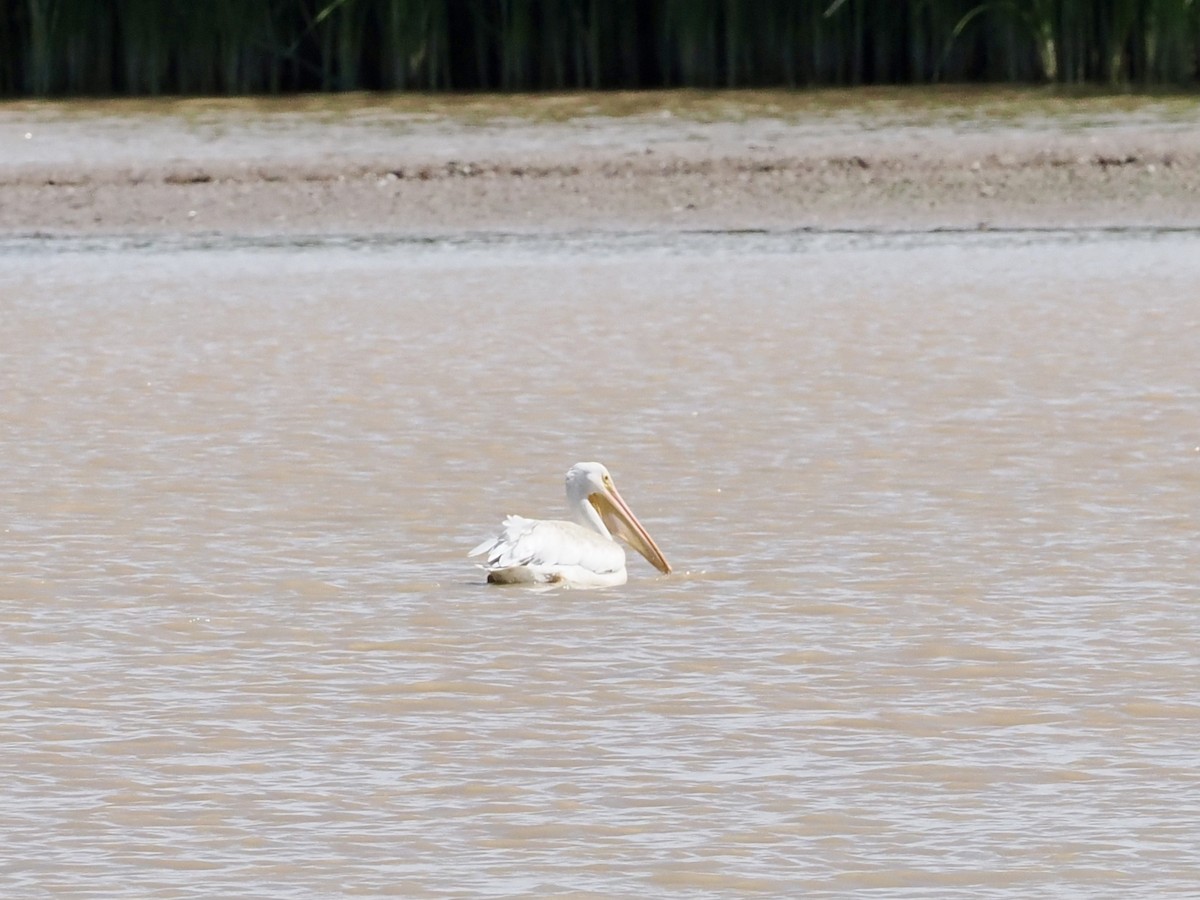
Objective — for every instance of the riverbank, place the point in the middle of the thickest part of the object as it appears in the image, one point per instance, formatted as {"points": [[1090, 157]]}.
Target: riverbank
{"points": [[898, 159]]}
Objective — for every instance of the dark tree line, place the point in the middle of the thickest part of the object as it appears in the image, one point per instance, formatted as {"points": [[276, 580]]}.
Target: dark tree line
{"points": [[134, 47]]}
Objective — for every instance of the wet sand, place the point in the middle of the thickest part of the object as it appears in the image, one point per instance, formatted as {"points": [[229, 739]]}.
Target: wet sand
{"points": [[827, 160]]}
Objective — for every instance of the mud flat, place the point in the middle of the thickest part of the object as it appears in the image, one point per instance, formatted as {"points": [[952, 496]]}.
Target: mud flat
{"points": [[898, 159]]}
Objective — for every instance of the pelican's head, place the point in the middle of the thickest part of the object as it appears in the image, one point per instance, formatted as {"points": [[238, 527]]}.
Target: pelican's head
{"points": [[590, 485]]}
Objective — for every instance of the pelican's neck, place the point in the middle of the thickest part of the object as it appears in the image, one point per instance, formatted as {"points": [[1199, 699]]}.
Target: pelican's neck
{"points": [[582, 510]]}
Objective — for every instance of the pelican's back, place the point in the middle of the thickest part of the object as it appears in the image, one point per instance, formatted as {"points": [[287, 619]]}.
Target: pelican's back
{"points": [[538, 551]]}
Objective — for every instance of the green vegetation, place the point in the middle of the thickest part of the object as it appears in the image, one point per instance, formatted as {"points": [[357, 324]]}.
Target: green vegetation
{"points": [[140, 47]]}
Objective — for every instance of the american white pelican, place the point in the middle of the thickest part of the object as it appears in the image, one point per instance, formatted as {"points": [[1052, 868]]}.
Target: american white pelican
{"points": [[582, 553]]}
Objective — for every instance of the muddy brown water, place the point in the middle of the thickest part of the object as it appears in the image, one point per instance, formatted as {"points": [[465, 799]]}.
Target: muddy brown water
{"points": [[931, 499]]}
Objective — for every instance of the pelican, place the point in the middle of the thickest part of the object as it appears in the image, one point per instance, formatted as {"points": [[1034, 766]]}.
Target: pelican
{"points": [[581, 553]]}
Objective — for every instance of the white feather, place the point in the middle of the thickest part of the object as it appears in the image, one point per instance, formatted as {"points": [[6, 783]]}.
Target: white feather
{"points": [[582, 553], [539, 551]]}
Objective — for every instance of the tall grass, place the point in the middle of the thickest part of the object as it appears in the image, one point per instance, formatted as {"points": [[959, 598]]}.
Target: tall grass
{"points": [[50, 47]]}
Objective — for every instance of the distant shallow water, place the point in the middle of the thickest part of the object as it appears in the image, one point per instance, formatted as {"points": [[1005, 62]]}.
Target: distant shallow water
{"points": [[931, 498], [592, 242]]}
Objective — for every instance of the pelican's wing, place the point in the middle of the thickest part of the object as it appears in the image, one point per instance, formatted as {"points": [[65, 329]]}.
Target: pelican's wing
{"points": [[550, 545]]}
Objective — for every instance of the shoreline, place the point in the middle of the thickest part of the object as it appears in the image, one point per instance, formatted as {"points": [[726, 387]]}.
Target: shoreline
{"points": [[360, 167]]}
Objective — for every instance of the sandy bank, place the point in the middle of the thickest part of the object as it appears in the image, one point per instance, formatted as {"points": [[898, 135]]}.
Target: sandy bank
{"points": [[366, 164]]}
